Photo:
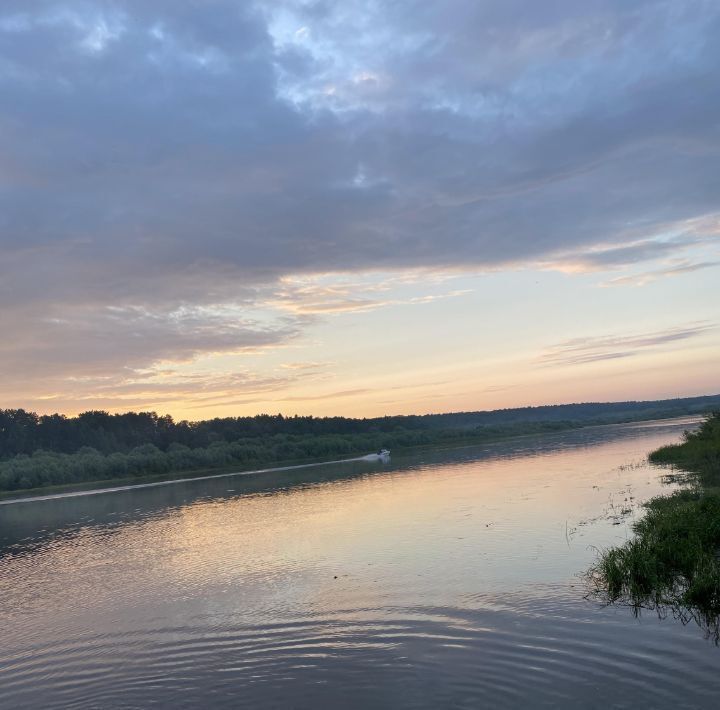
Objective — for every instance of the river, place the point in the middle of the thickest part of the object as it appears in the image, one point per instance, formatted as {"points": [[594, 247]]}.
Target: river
{"points": [[445, 579]]}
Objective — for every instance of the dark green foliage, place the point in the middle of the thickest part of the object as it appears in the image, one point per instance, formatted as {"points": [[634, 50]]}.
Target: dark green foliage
{"points": [[37, 451], [24, 432], [50, 468], [673, 561]]}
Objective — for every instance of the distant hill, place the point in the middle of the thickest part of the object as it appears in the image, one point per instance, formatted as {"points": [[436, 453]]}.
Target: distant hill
{"points": [[597, 412]]}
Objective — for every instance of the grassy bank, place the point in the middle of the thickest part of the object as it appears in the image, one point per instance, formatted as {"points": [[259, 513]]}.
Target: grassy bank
{"points": [[672, 565], [699, 453]]}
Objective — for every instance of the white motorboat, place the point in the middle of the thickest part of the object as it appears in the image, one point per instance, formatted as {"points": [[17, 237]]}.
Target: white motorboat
{"points": [[380, 455]]}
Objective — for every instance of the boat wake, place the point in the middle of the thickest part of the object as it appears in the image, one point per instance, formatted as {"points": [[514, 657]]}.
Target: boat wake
{"points": [[382, 455]]}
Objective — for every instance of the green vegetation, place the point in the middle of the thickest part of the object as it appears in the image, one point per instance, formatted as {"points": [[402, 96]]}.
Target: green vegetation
{"points": [[700, 453], [52, 468], [673, 562], [52, 450]]}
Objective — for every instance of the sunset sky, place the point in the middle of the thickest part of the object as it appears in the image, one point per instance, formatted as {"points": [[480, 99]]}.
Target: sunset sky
{"points": [[223, 208]]}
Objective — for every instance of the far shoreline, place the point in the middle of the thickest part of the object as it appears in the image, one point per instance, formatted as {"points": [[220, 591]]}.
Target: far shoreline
{"points": [[97, 487]]}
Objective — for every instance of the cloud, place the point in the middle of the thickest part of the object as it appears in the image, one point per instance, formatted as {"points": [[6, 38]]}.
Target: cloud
{"points": [[329, 395], [173, 143], [304, 365], [355, 305], [112, 354], [582, 351], [128, 389], [675, 238], [650, 276], [167, 166], [84, 340], [327, 294]]}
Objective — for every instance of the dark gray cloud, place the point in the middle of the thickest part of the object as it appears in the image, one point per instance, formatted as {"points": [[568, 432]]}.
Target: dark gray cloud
{"points": [[156, 155], [158, 134]]}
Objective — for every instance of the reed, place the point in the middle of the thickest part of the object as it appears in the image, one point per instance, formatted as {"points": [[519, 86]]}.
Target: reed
{"points": [[673, 562]]}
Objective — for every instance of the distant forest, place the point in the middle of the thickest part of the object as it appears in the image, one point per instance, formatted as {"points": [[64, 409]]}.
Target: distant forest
{"points": [[53, 449]]}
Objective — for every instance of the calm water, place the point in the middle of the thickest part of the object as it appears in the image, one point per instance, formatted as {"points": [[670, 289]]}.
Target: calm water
{"points": [[444, 580]]}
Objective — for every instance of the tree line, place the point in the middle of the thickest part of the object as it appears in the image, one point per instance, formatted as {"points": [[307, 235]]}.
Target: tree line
{"points": [[53, 468], [24, 432], [46, 450]]}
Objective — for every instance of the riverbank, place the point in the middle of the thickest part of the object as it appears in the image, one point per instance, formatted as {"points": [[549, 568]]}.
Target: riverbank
{"points": [[74, 490], [24, 474], [49, 472], [205, 473], [672, 564], [96, 447]]}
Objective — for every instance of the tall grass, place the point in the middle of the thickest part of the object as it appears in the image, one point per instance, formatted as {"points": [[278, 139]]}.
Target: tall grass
{"points": [[673, 562], [699, 453]]}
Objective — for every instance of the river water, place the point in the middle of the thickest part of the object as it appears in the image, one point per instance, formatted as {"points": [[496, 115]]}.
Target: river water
{"points": [[448, 579]]}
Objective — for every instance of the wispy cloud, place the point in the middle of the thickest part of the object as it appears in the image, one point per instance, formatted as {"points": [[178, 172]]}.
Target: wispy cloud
{"points": [[650, 276], [581, 351], [305, 365], [327, 295], [676, 239], [328, 395]]}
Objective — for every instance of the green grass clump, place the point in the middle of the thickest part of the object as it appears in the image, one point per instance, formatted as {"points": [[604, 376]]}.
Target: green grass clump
{"points": [[673, 557], [673, 562]]}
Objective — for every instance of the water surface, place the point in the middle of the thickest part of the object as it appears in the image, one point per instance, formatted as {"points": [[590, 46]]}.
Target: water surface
{"points": [[446, 579]]}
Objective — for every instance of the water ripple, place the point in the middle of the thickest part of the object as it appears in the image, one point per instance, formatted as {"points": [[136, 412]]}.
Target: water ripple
{"points": [[454, 656], [448, 583]]}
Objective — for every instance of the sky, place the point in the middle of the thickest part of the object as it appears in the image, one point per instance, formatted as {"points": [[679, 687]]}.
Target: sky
{"points": [[219, 208]]}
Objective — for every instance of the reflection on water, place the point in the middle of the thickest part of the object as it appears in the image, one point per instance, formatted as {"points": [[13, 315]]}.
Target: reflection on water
{"points": [[446, 579]]}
